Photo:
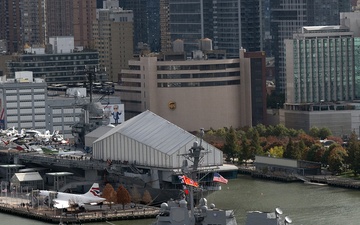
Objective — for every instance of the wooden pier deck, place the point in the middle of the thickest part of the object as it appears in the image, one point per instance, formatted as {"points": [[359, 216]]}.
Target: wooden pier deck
{"points": [[93, 214]]}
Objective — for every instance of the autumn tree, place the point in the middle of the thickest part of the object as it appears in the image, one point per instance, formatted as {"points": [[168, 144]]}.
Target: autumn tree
{"points": [[276, 151], [123, 196], [146, 199], [314, 132], [336, 158], [109, 194]]}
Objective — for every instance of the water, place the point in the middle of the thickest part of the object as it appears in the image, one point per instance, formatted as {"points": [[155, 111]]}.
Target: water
{"points": [[305, 204]]}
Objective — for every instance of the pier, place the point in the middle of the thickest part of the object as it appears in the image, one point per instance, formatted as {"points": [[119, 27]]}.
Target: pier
{"points": [[15, 206]]}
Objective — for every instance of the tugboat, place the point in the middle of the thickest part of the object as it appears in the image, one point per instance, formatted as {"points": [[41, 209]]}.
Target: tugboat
{"points": [[183, 212]]}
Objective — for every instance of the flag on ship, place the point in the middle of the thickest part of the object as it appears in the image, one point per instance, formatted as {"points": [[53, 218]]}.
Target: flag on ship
{"points": [[186, 180], [219, 178]]}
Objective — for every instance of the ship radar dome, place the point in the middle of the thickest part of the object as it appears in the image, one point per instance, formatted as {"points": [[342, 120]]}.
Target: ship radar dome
{"points": [[183, 203], [164, 206]]}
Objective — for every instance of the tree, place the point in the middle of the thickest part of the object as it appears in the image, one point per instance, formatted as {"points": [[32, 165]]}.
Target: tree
{"points": [[231, 146], [290, 148], [135, 195], [146, 197], [255, 146], [123, 196], [336, 158], [314, 132], [353, 150], [324, 132], [109, 194], [276, 151]]}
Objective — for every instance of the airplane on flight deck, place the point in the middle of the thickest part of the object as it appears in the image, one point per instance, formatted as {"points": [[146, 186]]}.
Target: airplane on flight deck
{"points": [[64, 200]]}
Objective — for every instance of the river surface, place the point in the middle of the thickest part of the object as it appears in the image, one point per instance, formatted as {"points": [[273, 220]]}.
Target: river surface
{"points": [[305, 204]]}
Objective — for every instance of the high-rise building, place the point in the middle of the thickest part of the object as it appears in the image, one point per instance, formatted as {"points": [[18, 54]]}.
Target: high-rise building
{"points": [[113, 35], [320, 65], [33, 22], [71, 18], [10, 24], [230, 24], [146, 22], [84, 14], [288, 16]]}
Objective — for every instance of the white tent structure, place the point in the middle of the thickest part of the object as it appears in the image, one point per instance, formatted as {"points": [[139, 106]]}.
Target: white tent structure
{"points": [[149, 140]]}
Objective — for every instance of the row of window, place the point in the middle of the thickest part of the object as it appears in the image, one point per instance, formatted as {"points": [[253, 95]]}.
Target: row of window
{"points": [[198, 84]]}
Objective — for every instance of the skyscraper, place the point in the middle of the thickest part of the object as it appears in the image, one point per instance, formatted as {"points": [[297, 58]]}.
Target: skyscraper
{"points": [[71, 18], [288, 16], [33, 22], [10, 24], [230, 24], [146, 22]]}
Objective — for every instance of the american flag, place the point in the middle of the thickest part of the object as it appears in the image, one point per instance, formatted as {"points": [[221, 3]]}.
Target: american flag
{"points": [[219, 178]]}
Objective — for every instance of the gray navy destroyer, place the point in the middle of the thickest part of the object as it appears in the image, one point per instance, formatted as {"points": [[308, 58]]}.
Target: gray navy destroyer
{"points": [[185, 212]]}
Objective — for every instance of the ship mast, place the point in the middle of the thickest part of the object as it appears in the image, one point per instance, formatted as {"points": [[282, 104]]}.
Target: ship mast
{"points": [[195, 155]]}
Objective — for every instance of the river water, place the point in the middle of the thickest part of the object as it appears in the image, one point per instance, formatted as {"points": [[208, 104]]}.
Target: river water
{"points": [[305, 204]]}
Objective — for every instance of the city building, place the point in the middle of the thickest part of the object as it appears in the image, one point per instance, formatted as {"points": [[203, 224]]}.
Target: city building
{"points": [[26, 103], [146, 23], [231, 25], [322, 80], [320, 65], [352, 21], [33, 22], [287, 17], [23, 102], [71, 18], [113, 35], [64, 68], [10, 23], [202, 92]]}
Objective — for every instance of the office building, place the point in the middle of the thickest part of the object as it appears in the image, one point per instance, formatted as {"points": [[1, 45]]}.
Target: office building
{"points": [[231, 25], [64, 68], [287, 17], [33, 22], [23, 102], [10, 24], [113, 35], [208, 93], [320, 65], [146, 23], [71, 18]]}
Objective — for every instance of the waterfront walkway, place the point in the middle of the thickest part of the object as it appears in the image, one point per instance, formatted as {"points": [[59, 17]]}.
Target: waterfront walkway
{"points": [[330, 180]]}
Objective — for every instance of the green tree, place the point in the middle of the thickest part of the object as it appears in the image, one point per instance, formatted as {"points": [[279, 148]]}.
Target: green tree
{"points": [[245, 152], [324, 132], [314, 132], [313, 153], [289, 150], [109, 194], [255, 146], [123, 196], [231, 146]]}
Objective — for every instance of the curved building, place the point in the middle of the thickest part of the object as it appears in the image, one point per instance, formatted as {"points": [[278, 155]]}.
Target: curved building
{"points": [[207, 93]]}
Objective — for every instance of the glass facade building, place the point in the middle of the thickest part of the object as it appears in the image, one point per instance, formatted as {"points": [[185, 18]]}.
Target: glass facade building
{"points": [[321, 66], [230, 24], [288, 16]]}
